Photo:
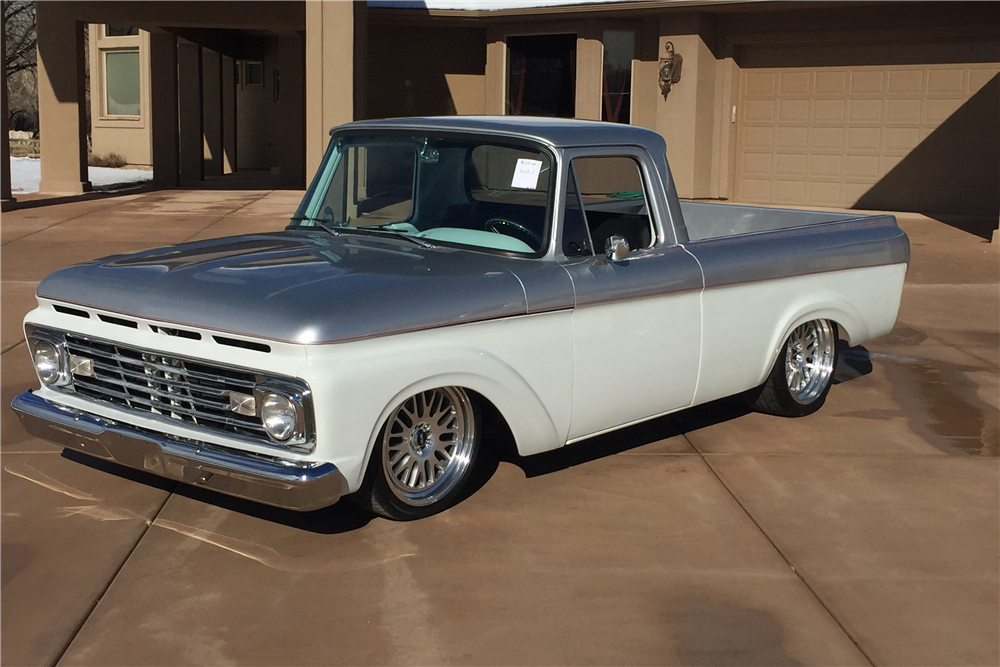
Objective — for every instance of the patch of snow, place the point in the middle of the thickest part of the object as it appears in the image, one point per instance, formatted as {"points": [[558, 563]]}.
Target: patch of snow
{"points": [[26, 172]]}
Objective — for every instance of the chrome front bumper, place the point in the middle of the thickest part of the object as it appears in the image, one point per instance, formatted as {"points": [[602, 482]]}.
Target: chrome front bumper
{"points": [[293, 485]]}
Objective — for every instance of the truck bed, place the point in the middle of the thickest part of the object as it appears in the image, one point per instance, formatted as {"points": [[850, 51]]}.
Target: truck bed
{"points": [[709, 220]]}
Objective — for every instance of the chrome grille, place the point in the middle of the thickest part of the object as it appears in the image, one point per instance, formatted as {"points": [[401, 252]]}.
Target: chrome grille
{"points": [[192, 392]]}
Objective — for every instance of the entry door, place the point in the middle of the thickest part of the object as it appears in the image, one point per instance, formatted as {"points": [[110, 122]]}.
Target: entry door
{"points": [[637, 322]]}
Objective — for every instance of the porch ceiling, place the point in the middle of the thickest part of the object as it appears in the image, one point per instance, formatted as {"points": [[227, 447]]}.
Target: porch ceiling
{"points": [[273, 16]]}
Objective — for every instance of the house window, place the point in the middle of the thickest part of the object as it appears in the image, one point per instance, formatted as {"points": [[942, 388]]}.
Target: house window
{"points": [[541, 76], [616, 96], [115, 30], [121, 83], [254, 73]]}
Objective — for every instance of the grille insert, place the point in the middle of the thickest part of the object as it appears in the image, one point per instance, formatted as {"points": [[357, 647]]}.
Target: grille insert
{"points": [[191, 392]]}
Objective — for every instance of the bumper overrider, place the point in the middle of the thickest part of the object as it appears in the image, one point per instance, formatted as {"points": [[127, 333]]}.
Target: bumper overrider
{"points": [[282, 483]]}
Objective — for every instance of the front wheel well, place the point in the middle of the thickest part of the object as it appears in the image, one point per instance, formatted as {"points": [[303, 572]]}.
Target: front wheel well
{"points": [[494, 431]]}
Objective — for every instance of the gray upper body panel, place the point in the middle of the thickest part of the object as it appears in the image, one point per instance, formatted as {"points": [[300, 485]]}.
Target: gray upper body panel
{"points": [[310, 287], [835, 245]]}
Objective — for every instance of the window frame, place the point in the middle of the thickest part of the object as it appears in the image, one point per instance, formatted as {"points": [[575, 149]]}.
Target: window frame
{"points": [[636, 45], [104, 53], [662, 235], [99, 44], [553, 209]]}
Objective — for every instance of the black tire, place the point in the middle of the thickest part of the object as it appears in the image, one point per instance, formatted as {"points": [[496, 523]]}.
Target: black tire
{"points": [[429, 445], [802, 374]]}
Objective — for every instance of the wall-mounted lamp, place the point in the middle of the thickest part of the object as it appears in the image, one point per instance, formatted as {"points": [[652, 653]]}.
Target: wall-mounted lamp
{"points": [[670, 69]]}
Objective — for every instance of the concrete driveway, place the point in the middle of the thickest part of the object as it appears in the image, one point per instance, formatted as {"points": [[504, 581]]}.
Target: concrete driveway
{"points": [[865, 534]]}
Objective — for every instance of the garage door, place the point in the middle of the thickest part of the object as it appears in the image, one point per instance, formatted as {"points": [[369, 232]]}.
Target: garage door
{"points": [[865, 135]]}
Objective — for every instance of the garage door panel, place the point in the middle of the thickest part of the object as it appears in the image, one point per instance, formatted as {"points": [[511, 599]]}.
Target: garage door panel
{"points": [[865, 139], [946, 81], [979, 77], [828, 138], [938, 111], [791, 192], [868, 82], [903, 139], [862, 167], [833, 135], [793, 111], [855, 190], [792, 83], [759, 137], [760, 111], [827, 111], [906, 82], [793, 137], [758, 190], [761, 83], [865, 111], [791, 164], [757, 164], [831, 83], [826, 166], [824, 193]]}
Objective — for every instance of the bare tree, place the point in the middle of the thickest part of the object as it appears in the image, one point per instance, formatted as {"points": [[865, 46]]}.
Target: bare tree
{"points": [[19, 26], [20, 64]]}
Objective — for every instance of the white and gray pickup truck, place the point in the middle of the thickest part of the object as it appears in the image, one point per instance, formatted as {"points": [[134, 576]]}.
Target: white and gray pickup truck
{"points": [[541, 271]]}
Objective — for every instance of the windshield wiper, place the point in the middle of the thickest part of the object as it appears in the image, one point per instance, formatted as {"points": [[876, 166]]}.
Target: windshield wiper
{"points": [[384, 229], [373, 230], [318, 222]]}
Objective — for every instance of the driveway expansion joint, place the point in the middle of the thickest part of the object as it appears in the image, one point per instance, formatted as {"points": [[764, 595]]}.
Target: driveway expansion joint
{"points": [[111, 580], [780, 553]]}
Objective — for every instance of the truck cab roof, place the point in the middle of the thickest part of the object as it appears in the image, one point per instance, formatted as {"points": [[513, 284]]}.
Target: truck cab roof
{"points": [[556, 132]]}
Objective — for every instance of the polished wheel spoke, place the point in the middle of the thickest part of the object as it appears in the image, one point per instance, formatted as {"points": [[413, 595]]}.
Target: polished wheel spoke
{"points": [[428, 444], [809, 360]]}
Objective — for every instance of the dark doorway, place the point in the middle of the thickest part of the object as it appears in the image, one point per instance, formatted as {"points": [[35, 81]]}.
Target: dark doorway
{"points": [[541, 79]]}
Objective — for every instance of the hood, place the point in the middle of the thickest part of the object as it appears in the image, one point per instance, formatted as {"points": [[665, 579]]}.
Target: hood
{"points": [[297, 286]]}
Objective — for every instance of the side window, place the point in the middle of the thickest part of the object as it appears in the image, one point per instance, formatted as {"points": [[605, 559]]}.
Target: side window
{"points": [[614, 200], [576, 238]]}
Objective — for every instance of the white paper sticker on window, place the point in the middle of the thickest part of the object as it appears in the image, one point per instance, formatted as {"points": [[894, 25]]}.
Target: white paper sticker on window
{"points": [[526, 174]]}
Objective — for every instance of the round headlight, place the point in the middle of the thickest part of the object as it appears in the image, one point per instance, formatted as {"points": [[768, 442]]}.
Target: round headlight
{"points": [[279, 415], [47, 362]]}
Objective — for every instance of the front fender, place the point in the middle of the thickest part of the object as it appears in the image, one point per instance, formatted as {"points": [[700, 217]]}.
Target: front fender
{"points": [[523, 366]]}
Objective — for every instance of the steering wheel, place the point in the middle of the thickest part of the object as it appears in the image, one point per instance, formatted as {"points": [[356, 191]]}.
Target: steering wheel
{"points": [[517, 230]]}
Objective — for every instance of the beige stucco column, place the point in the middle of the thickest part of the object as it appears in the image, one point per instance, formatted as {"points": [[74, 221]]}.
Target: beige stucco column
{"points": [[163, 96], [292, 110], [189, 110], [687, 118], [589, 76], [228, 115], [336, 34], [211, 91], [62, 114], [6, 199], [496, 72]]}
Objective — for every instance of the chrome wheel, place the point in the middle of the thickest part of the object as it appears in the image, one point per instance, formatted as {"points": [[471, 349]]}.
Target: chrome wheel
{"points": [[809, 357], [428, 444]]}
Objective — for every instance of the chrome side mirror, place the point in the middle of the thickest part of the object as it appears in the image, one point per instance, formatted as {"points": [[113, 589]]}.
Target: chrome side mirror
{"points": [[616, 248]]}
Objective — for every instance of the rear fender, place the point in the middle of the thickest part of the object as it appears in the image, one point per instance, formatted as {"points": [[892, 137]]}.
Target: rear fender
{"points": [[827, 305]]}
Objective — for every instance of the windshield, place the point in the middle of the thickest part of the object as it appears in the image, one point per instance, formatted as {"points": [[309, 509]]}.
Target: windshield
{"points": [[452, 191]]}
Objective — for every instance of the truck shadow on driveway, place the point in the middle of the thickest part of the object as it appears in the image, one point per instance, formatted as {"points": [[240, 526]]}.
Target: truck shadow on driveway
{"points": [[345, 516], [341, 517], [852, 362]]}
